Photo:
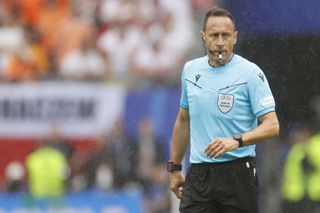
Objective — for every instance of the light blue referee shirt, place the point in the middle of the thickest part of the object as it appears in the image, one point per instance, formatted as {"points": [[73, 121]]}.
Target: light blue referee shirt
{"points": [[223, 101]]}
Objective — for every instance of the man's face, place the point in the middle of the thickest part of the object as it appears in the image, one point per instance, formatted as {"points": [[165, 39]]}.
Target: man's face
{"points": [[219, 37]]}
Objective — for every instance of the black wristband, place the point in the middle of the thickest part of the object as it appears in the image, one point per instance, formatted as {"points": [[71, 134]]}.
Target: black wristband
{"points": [[172, 167]]}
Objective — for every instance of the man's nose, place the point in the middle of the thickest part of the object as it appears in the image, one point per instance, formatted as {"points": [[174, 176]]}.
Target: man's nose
{"points": [[220, 41]]}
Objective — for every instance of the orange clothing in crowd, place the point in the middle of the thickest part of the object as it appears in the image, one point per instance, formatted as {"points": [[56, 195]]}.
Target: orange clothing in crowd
{"points": [[50, 18], [19, 70], [70, 35], [30, 10], [39, 58]]}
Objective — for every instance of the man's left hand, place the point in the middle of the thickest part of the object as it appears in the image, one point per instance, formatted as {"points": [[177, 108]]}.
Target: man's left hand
{"points": [[219, 146]]}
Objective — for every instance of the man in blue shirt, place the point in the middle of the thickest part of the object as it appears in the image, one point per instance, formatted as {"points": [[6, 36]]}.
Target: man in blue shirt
{"points": [[226, 108]]}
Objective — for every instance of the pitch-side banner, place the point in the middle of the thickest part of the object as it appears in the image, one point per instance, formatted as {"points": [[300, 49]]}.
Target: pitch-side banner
{"points": [[78, 109]]}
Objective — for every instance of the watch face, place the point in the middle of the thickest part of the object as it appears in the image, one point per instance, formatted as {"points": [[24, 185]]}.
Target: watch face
{"points": [[237, 136]]}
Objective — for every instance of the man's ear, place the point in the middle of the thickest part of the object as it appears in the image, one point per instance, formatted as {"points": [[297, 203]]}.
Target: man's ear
{"points": [[235, 37], [203, 37]]}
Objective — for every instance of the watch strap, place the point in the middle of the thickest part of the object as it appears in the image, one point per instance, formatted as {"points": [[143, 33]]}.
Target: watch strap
{"points": [[172, 167]]}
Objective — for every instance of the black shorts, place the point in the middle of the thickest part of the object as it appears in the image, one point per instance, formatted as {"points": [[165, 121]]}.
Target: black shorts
{"points": [[230, 187]]}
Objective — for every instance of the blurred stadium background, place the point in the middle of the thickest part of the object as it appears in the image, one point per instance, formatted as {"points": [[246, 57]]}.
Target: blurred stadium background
{"points": [[98, 80]]}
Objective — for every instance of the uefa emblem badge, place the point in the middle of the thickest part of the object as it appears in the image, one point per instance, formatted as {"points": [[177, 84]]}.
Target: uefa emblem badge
{"points": [[225, 102]]}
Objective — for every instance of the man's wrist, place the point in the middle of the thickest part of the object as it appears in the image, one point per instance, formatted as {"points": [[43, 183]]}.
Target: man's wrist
{"points": [[173, 167]]}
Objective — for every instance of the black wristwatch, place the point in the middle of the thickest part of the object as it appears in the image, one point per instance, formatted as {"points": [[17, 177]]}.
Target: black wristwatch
{"points": [[238, 137], [172, 167]]}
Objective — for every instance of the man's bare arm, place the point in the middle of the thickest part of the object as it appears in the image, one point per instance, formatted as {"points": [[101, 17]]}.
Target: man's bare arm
{"points": [[180, 144], [267, 129], [181, 136]]}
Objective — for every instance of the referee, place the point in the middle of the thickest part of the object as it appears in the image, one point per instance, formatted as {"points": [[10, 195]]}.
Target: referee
{"points": [[226, 108]]}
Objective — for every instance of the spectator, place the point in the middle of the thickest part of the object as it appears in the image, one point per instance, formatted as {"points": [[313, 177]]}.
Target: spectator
{"points": [[73, 30], [149, 168], [84, 63], [29, 64], [20, 68], [300, 184], [122, 164], [108, 164], [12, 42], [149, 152], [51, 16], [48, 171], [14, 177], [97, 170], [38, 56], [118, 43]]}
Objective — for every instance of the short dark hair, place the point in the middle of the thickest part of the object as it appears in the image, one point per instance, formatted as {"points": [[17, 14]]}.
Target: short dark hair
{"points": [[218, 12]]}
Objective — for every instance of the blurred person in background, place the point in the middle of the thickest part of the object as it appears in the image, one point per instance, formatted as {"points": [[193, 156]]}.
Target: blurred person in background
{"points": [[29, 63], [226, 108], [301, 173], [48, 167], [15, 177], [149, 163], [39, 56], [85, 63], [50, 18], [149, 151], [94, 171], [122, 155], [47, 170], [118, 42], [13, 57], [20, 68], [110, 166], [73, 30]]}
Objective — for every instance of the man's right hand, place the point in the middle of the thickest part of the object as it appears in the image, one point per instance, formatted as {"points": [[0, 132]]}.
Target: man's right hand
{"points": [[176, 182]]}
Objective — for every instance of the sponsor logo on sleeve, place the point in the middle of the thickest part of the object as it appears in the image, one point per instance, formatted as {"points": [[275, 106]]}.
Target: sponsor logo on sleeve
{"points": [[267, 101]]}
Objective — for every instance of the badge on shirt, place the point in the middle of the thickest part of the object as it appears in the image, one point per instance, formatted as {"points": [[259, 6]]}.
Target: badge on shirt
{"points": [[225, 102]]}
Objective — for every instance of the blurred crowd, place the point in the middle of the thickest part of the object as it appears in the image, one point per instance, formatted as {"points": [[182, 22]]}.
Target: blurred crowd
{"points": [[136, 41], [117, 162]]}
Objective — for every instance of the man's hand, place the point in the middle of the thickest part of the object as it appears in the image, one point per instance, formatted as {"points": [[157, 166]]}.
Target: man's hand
{"points": [[176, 181], [219, 146]]}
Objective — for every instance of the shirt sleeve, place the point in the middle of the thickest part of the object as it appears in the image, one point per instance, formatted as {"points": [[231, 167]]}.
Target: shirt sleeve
{"points": [[261, 97], [184, 96]]}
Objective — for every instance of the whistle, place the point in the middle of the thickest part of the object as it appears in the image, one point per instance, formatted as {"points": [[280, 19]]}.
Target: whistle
{"points": [[220, 58]]}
